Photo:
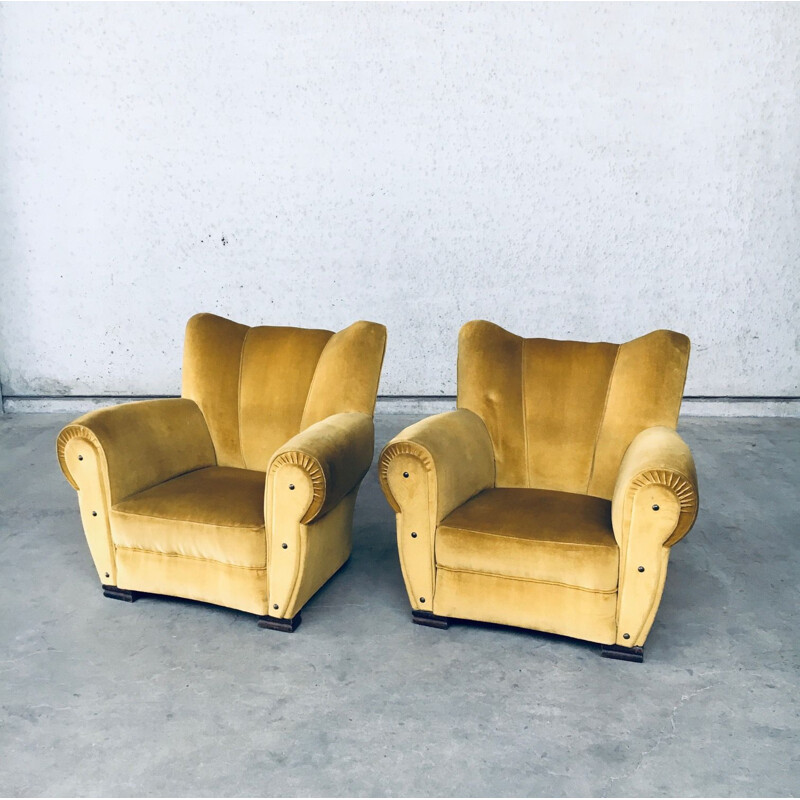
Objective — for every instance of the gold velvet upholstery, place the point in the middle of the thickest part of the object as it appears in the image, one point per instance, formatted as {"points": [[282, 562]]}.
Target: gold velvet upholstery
{"points": [[532, 534], [213, 514], [550, 498], [241, 492]]}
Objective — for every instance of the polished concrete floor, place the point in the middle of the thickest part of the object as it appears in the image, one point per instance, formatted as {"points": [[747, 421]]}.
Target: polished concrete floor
{"points": [[170, 697]]}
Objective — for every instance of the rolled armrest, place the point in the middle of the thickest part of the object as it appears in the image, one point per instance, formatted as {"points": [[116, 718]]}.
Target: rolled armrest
{"points": [[110, 454], [659, 464], [135, 445], [330, 458], [426, 471], [654, 505], [453, 449]]}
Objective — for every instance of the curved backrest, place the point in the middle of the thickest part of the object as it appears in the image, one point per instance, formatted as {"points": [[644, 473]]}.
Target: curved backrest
{"points": [[258, 387], [561, 414]]}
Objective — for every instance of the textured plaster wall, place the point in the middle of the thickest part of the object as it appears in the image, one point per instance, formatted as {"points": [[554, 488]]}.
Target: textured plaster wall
{"points": [[571, 171]]}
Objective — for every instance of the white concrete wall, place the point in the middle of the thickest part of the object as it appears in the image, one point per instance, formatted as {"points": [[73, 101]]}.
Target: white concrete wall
{"points": [[571, 171]]}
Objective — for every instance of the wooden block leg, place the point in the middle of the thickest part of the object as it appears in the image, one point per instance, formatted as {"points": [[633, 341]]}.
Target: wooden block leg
{"points": [[429, 619], [278, 624], [621, 653], [115, 593]]}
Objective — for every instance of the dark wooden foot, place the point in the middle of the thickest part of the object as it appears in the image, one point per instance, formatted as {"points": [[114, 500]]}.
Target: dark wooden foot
{"points": [[429, 619], [115, 593], [278, 624], [622, 653]]}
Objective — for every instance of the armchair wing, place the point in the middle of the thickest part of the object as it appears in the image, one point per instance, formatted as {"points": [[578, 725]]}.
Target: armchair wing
{"points": [[311, 487], [112, 453], [426, 471], [654, 505]]}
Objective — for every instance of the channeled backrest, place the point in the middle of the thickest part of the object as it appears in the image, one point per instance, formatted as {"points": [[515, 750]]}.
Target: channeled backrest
{"points": [[561, 414], [258, 387]]}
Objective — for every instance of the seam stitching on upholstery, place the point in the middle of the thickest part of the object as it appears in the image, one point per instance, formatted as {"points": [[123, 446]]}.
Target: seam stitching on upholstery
{"points": [[458, 372], [602, 418], [491, 446], [378, 380], [126, 513], [239, 399], [432, 479], [524, 414], [313, 380], [181, 555], [127, 497], [528, 580], [683, 383], [520, 539]]}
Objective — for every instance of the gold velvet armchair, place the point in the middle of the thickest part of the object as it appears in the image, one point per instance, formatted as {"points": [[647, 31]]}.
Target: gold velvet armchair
{"points": [[241, 492], [551, 498]]}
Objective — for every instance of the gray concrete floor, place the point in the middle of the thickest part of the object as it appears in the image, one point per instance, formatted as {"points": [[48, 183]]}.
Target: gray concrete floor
{"points": [[170, 697]]}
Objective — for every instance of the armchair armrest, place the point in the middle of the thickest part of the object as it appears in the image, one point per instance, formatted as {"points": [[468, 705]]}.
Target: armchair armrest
{"points": [[426, 471], [654, 505], [110, 454], [135, 445], [658, 466], [452, 450], [310, 476], [321, 464]]}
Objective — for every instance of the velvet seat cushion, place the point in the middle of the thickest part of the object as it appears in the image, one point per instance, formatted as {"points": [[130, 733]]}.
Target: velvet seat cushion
{"points": [[212, 514], [532, 534]]}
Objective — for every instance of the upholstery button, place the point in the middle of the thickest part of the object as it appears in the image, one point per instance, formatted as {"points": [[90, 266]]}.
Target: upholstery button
{"points": [[422, 599], [405, 474], [291, 486], [655, 507], [284, 545], [80, 458], [275, 606], [94, 513], [641, 569], [413, 534], [626, 636]]}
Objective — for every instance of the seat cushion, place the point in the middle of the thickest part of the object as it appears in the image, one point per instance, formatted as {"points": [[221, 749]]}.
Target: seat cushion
{"points": [[532, 534], [214, 514]]}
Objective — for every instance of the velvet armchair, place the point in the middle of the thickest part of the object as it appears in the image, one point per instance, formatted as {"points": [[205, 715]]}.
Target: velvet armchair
{"points": [[552, 497], [240, 492]]}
